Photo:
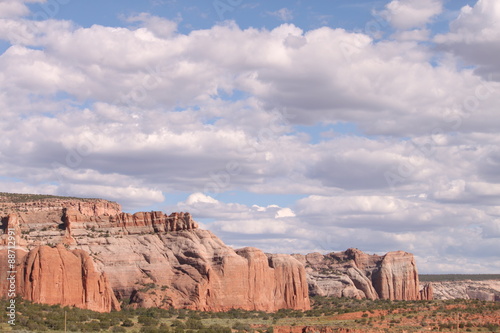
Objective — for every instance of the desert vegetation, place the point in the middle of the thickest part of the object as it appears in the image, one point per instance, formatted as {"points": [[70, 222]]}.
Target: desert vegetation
{"points": [[358, 315]]}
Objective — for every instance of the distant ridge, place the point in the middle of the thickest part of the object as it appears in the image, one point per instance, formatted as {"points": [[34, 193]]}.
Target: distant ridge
{"points": [[457, 277], [24, 197]]}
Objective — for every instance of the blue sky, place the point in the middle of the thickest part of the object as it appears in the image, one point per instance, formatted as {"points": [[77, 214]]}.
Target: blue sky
{"points": [[293, 126], [202, 14]]}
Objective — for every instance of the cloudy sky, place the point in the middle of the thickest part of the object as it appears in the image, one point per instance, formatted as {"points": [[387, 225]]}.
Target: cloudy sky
{"points": [[293, 126]]}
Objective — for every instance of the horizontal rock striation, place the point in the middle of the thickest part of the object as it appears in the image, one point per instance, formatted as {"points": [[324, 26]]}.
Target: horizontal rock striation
{"points": [[124, 223], [30, 211], [355, 274]]}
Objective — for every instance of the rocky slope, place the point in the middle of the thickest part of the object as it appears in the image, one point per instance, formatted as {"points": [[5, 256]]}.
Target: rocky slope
{"points": [[488, 290], [355, 274], [147, 258]]}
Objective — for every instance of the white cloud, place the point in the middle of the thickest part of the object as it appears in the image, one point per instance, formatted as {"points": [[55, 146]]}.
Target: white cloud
{"points": [[200, 198], [409, 14], [130, 197], [235, 220], [475, 36], [385, 213], [476, 23], [284, 212], [15, 8], [394, 78]]}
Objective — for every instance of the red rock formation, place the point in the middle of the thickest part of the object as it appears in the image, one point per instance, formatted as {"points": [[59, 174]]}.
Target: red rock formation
{"points": [[356, 274], [30, 211], [10, 223], [250, 280], [397, 277], [200, 272], [157, 220], [58, 276], [129, 223], [427, 292], [152, 258]]}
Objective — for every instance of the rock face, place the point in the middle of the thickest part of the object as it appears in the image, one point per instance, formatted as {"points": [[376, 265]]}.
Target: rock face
{"points": [[58, 276], [488, 290], [194, 269], [426, 291], [397, 277], [355, 274], [147, 258]]}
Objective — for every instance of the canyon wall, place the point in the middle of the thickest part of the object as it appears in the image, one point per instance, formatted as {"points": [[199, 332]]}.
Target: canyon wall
{"points": [[355, 274], [88, 253], [146, 259]]}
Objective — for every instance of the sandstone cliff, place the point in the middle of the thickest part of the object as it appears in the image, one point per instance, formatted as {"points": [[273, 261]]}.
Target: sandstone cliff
{"points": [[58, 276], [147, 258], [194, 269], [355, 274]]}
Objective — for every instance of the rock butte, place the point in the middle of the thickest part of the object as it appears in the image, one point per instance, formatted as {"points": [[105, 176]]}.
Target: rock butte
{"points": [[99, 256], [355, 274]]}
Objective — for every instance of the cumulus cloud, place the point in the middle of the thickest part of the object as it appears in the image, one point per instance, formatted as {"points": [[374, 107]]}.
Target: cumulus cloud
{"points": [[475, 36], [15, 8], [384, 213], [408, 14], [130, 197]]}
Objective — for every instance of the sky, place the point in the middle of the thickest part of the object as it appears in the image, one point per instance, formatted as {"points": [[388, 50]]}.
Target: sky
{"points": [[291, 126]]}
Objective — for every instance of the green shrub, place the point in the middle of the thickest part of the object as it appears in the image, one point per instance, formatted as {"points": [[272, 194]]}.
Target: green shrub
{"points": [[192, 323], [148, 321], [127, 323], [241, 326]]}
